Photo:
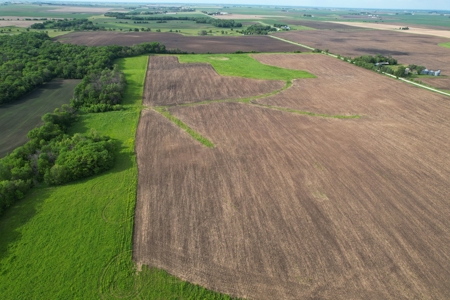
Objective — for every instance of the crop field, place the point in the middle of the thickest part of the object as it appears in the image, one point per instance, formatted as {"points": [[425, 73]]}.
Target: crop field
{"points": [[292, 206], [17, 118], [187, 83], [406, 48], [199, 44]]}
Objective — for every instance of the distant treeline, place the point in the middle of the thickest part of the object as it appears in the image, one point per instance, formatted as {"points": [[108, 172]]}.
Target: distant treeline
{"points": [[29, 59], [76, 24], [204, 20], [258, 29]]}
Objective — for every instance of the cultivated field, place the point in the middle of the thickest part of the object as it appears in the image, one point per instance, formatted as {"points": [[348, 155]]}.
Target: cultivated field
{"points": [[406, 48], [18, 118], [299, 207], [190, 44], [187, 83], [414, 30]]}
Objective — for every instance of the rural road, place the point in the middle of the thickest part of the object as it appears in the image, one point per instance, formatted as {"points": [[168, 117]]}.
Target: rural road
{"points": [[402, 79]]}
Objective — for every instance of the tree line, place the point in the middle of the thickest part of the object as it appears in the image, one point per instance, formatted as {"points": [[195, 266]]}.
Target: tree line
{"points": [[75, 24], [202, 20], [29, 59], [52, 156]]}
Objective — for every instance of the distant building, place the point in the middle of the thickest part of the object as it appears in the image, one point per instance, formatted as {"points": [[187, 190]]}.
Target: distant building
{"points": [[424, 72], [437, 73]]}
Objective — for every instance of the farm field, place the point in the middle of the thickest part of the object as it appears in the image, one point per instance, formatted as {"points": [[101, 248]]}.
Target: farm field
{"points": [[445, 33], [406, 48], [288, 206], [199, 44], [18, 118], [74, 241]]}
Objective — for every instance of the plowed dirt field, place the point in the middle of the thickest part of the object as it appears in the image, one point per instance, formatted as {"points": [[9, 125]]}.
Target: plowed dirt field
{"points": [[298, 207], [187, 83], [197, 44]]}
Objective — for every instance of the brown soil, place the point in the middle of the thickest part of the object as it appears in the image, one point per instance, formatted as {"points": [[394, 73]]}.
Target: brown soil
{"points": [[246, 17], [437, 82], [297, 207], [406, 48], [190, 44], [414, 30], [186, 83], [18, 23], [85, 9], [321, 25]]}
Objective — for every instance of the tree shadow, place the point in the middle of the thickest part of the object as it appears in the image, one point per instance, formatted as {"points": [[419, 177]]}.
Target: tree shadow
{"points": [[18, 215]]}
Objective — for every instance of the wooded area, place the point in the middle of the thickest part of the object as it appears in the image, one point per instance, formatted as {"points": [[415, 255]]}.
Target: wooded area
{"points": [[30, 59]]}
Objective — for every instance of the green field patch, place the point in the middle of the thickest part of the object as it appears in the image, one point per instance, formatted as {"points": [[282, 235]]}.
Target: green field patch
{"points": [[446, 45], [243, 65], [20, 117], [75, 241]]}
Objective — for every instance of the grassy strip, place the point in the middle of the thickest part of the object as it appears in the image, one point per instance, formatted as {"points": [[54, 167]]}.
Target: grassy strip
{"points": [[308, 113], [165, 112], [243, 65], [446, 45], [74, 241]]}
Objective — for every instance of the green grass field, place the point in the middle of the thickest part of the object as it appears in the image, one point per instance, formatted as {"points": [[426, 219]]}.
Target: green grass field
{"points": [[19, 117], [446, 45], [75, 241], [243, 65]]}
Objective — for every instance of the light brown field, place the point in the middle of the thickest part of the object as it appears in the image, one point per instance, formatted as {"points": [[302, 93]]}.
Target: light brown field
{"points": [[187, 83], [18, 23], [288, 206], [413, 30], [85, 9], [245, 17]]}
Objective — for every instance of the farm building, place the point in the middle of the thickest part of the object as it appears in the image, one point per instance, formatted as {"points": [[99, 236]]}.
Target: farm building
{"points": [[431, 72]]}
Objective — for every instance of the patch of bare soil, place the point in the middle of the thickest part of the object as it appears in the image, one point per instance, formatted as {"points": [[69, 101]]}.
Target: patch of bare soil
{"points": [[200, 44], [84, 9], [18, 23], [246, 17], [187, 83], [413, 30], [297, 207]]}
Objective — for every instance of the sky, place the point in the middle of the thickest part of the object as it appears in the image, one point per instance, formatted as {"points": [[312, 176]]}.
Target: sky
{"points": [[398, 4]]}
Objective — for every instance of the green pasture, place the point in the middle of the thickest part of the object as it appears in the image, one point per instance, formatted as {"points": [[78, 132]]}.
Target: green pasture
{"points": [[74, 241], [243, 65], [19, 117], [446, 45]]}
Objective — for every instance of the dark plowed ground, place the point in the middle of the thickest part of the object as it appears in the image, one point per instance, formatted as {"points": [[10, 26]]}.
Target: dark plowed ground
{"points": [[186, 83], [297, 207], [197, 44], [406, 48]]}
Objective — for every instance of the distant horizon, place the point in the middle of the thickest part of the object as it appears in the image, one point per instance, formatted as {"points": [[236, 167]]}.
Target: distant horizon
{"points": [[437, 5]]}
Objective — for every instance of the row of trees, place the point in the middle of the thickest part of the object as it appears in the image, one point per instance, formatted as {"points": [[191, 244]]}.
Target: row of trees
{"points": [[75, 24], [204, 20], [258, 29], [29, 59], [54, 157]]}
